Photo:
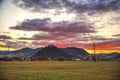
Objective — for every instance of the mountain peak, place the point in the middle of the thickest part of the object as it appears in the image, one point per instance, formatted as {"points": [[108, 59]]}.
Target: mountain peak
{"points": [[51, 46]]}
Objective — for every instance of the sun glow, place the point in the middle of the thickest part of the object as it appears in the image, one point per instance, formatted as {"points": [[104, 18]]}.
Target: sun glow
{"points": [[67, 23], [7, 49], [102, 51]]}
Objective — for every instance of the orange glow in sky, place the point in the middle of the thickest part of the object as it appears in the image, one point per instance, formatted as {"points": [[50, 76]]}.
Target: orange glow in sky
{"points": [[34, 24]]}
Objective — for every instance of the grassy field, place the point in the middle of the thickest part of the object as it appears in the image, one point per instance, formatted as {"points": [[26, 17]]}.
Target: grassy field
{"points": [[55, 70]]}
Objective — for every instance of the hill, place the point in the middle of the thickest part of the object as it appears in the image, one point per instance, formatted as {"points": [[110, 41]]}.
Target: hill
{"points": [[49, 51]]}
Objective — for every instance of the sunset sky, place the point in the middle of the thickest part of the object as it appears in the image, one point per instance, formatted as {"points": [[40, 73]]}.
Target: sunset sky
{"points": [[64, 23]]}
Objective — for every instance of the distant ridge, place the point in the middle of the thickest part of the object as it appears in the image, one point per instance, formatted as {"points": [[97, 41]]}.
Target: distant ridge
{"points": [[53, 52], [77, 52], [48, 51]]}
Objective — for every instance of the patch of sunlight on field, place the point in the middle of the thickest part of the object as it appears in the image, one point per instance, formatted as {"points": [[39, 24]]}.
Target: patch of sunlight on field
{"points": [[55, 70]]}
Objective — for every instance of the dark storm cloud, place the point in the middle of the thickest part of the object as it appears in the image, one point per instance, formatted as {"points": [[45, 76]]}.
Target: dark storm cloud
{"points": [[46, 25], [70, 5], [5, 37]]}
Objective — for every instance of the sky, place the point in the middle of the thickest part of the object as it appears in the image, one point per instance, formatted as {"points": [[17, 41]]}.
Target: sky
{"points": [[64, 23]]}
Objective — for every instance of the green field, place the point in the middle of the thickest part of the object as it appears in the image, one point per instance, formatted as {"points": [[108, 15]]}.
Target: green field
{"points": [[55, 70]]}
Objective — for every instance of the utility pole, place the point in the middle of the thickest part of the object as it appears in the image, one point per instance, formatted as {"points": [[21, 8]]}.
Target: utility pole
{"points": [[94, 47], [8, 48]]}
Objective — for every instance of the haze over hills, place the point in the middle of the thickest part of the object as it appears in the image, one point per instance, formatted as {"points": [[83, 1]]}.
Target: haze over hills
{"points": [[53, 52]]}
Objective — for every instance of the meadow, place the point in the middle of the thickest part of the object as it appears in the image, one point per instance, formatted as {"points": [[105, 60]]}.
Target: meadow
{"points": [[55, 70]]}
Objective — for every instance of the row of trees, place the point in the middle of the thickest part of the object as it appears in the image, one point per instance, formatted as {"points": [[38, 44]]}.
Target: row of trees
{"points": [[21, 58]]}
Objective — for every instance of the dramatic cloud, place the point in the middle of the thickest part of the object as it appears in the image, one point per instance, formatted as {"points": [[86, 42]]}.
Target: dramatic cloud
{"points": [[60, 44], [69, 5], [116, 35], [5, 37], [62, 34], [1, 0], [25, 38], [59, 40], [2, 45], [107, 45], [98, 38], [46, 25], [41, 43], [14, 44], [65, 40], [4, 32], [53, 38], [17, 44]]}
